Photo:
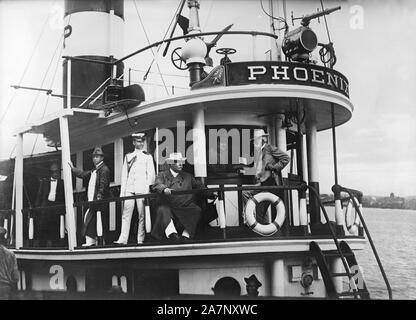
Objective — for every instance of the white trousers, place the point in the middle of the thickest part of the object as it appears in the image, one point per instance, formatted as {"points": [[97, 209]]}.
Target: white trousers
{"points": [[126, 219]]}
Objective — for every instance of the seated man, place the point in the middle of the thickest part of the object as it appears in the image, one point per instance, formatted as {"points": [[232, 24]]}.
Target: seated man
{"points": [[176, 212]]}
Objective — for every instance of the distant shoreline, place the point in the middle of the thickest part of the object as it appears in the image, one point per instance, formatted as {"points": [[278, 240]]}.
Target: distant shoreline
{"points": [[402, 209]]}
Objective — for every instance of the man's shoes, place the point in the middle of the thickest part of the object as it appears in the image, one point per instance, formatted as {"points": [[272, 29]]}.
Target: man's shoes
{"points": [[119, 243], [174, 238], [185, 239], [89, 242]]}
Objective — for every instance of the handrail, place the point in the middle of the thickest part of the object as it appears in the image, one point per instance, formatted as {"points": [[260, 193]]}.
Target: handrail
{"points": [[334, 237], [155, 44], [5, 213], [333, 200], [299, 186], [357, 209]]}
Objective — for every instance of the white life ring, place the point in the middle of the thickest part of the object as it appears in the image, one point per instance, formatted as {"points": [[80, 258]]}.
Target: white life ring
{"points": [[262, 229], [352, 228]]}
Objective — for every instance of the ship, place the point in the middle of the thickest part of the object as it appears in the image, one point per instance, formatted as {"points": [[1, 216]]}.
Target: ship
{"points": [[298, 253]]}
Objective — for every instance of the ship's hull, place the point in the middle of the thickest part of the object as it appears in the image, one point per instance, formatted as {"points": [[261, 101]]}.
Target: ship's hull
{"points": [[174, 270]]}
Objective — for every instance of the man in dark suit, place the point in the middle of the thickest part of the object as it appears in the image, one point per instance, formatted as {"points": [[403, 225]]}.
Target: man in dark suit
{"points": [[9, 273], [98, 189], [47, 222], [252, 286], [268, 162], [176, 212]]}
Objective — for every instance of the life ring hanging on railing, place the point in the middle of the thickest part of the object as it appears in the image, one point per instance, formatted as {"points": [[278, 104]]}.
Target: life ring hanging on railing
{"points": [[352, 228], [250, 217]]}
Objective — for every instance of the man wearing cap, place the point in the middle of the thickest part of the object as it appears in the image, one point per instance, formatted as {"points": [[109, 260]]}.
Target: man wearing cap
{"points": [[50, 193], [176, 213], [268, 162], [9, 274], [98, 189], [252, 286], [137, 175]]}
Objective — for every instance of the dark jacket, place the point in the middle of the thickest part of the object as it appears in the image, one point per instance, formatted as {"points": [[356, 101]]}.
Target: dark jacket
{"points": [[101, 191], [9, 274], [183, 181], [43, 193], [181, 207], [273, 161], [102, 183], [47, 220]]}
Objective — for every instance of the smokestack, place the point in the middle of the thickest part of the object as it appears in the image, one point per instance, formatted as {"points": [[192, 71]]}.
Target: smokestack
{"points": [[93, 30]]}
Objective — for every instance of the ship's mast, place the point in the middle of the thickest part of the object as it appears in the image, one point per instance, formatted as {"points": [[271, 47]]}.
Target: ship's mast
{"points": [[275, 48], [194, 52]]}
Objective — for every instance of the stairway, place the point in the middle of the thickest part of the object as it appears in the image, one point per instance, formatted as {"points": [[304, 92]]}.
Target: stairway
{"points": [[328, 276]]}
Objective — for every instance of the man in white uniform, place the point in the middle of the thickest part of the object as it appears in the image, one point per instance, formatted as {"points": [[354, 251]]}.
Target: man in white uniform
{"points": [[137, 175]]}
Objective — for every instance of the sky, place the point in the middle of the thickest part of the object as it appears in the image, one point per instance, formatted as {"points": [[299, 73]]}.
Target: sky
{"points": [[374, 46]]}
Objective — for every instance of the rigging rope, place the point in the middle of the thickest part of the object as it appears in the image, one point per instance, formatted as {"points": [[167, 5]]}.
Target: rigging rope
{"points": [[275, 18], [165, 74], [164, 37], [151, 49], [44, 78], [326, 23], [47, 99], [27, 65], [327, 49]]}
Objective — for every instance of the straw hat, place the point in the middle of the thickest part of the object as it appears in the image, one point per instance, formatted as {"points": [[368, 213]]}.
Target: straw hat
{"points": [[259, 133], [175, 156]]}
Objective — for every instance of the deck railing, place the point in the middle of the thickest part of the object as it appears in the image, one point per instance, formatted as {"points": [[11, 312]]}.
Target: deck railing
{"points": [[30, 214]]}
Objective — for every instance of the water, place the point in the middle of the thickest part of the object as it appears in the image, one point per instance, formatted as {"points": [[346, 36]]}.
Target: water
{"points": [[394, 235]]}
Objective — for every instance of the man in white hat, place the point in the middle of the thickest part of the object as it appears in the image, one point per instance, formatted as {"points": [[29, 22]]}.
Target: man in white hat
{"points": [[9, 274], [268, 162], [98, 189], [177, 214], [137, 175]]}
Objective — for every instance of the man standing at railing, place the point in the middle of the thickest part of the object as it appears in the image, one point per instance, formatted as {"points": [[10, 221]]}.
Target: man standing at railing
{"points": [[268, 162], [98, 189], [137, 175], [9, 274], [176, 213], [50, 193]]}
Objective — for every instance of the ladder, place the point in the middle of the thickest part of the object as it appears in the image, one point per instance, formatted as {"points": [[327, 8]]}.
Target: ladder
{"points": [[344, 252]]}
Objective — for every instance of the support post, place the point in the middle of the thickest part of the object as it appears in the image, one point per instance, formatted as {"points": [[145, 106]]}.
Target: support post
{"points": [[69, 197], [337, 195], [80, 165], [118, 160], [277, 278], [221, 213], [301, 170], [313, 170], [199, 143], [147, 217], [68, 84], [18, 173]]}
